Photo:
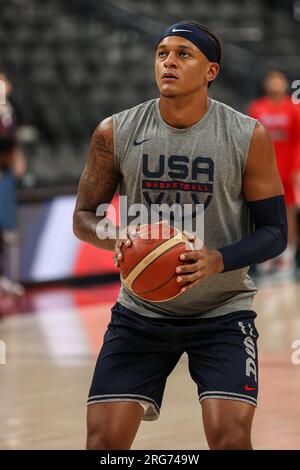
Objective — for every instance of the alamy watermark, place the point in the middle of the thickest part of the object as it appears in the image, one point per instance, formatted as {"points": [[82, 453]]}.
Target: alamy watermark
{"points": [[295, 358], [2, 352], [296, 94], [184, 217]]}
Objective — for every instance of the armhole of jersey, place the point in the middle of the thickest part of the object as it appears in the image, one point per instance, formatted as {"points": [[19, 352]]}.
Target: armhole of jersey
{"points": [[248, 146]]}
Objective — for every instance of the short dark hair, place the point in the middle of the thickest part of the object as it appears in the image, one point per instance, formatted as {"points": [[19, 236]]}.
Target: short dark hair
{"points": [[211, 35]]}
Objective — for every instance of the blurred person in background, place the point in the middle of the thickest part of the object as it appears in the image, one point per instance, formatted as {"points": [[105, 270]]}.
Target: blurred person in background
{"points": [[281, 117], [12, 168]]}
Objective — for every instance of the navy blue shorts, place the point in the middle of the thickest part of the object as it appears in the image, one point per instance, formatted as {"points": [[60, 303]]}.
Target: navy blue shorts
{"points": [[139, 353]]}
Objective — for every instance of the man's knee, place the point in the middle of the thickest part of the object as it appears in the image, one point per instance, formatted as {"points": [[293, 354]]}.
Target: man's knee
{"points": [[112, 426], [227, 424], [98, 439], [230, 439], [95, 441]]}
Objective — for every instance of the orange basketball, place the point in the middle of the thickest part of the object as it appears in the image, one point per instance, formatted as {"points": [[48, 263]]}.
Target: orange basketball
{"points": [[148, 264]]}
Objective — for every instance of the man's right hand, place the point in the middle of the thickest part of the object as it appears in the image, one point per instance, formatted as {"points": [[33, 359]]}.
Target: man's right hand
{"points": [[125, 237], [133, 232]]}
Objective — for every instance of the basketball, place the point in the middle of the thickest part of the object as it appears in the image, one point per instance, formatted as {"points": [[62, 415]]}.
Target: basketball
{"points": [[148, 264]]}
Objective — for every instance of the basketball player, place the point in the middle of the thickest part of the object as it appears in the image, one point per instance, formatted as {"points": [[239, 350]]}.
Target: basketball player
{"points": [[185, 136], [281, 117]]}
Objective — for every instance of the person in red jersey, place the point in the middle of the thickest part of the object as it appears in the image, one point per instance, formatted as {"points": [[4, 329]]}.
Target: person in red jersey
{"points": [[281, 117]]}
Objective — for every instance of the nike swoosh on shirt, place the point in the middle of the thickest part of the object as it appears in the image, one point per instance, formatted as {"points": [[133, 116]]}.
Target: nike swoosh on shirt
{"points": [[174, 30], [141, 141]]}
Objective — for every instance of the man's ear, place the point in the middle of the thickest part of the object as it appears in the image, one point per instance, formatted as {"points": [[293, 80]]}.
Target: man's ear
{"points": [[212, 71]]}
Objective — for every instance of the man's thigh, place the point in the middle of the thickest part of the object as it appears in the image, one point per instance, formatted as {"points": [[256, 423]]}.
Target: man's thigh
{"points": [[135, 361], [223, 358]]}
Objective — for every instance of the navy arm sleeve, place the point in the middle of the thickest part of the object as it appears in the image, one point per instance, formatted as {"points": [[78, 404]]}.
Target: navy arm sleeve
{"points": [[268, 239]]}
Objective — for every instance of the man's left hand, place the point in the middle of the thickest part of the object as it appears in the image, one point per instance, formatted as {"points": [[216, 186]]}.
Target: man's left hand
{"points": [[202, 263]]}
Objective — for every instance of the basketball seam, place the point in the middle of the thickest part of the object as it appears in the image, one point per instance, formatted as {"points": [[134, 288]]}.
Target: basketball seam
{"points": [[158, 287], [161, 285], [129, 247]]}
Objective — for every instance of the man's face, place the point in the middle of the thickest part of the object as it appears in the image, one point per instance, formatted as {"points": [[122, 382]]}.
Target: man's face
{"points": [[276, 85], [180, 58]]}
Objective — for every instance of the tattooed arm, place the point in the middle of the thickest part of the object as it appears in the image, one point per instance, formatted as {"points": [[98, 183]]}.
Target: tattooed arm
{"points": [[97, 185]]}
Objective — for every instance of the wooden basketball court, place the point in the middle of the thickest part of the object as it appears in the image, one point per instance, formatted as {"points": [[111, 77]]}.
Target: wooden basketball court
{"points": [[51, 350]]}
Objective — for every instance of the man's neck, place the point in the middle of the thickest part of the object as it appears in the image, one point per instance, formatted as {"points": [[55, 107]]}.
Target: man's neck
{"points": [[182, 111], [277, 98]]}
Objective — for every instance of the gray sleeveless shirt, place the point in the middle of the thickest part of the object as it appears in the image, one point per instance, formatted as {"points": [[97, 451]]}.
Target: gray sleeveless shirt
{"points": [[201, 164]]}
